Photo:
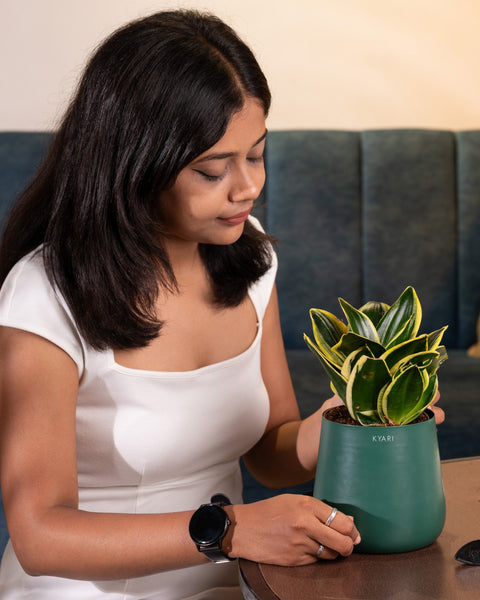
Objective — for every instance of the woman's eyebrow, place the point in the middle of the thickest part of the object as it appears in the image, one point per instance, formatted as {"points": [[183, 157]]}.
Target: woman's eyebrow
{"points": [[223, 155], [261, 138]]}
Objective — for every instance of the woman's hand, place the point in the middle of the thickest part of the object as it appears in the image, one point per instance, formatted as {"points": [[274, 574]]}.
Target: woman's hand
{"points": [[331, 403], [289, 530], [308, 438], [437, 411]]}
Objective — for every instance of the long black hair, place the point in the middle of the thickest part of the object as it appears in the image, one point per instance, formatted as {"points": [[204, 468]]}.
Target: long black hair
{"points": [[155, 95]]}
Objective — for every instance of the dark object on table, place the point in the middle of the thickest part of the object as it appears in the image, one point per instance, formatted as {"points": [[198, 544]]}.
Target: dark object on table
{"points": [[469, 553]]}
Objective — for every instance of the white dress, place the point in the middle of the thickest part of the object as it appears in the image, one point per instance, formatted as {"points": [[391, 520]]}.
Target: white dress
{"points": [[147, 441]]}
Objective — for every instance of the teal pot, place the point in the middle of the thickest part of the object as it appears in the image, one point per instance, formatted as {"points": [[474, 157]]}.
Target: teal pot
{"points": [[388, 478]]}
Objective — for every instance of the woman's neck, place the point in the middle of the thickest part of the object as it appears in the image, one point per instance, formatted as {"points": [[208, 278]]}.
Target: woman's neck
{"points": [[185, 259]]}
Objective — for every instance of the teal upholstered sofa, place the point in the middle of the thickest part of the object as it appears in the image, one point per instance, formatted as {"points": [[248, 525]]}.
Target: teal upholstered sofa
{"points": [[360, 215]]}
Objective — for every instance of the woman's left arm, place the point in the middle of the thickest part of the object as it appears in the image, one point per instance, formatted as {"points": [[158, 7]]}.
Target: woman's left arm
{"points": [[287, 452]]}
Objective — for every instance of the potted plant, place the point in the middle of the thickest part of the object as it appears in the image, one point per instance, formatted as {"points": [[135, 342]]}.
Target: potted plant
{"points": [[378, 457]]}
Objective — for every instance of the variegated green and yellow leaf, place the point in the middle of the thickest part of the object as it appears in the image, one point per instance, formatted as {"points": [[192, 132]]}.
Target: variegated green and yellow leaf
{"points": [[327, 325], [369, 417], [403, 394], [332, 371], [374, 311], [436, 362], [352, 358], [426, 399], [327, 331], [359, 322], [397, 353], [381, 414], [404, 316], [435, 338], [368, 377], [352, 341], [402, 335], [422, 359]]}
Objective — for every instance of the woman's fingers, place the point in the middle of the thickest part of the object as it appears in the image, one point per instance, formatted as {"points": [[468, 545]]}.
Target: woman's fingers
{"points": [[332, 403], [343, 541], [323, 553], [337, 522], [340, 534], [438, 413], [290, 530]]}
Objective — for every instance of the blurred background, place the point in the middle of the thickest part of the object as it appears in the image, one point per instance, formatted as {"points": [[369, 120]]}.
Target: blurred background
{"points": [[340, 64]]}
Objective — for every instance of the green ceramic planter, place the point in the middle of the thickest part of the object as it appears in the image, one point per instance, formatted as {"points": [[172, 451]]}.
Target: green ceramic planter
{"points": [[388, 478]]}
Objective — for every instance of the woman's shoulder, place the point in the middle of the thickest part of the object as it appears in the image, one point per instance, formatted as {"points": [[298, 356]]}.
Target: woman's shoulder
{"points": [[31, 262], [30, 302], [28, 274]]}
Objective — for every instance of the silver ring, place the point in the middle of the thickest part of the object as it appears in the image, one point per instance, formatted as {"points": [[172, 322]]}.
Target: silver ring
{"points": [[320, 550], [328, 522]]}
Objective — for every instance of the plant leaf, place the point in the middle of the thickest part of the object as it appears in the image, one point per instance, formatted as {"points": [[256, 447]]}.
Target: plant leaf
{"points": [[404, 316], [403, 394], [436, 362], [374, 311], [327, 331], [333, 373], [435, 338], [380, 412], [352, 358], [426, 399], [421, 359], [369, 417], [359, 322], [403, 335], [327, 325], [397, 353], [368, 377], [352, 341]]}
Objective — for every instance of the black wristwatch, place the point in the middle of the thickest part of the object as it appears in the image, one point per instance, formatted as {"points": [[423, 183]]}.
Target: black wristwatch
{"points": [[208, 526]]}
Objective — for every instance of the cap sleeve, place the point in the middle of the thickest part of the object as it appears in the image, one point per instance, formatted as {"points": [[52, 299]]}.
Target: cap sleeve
{"points": [[29, 302]]}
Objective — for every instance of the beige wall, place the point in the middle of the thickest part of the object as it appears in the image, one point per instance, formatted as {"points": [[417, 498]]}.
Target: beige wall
{"points": [[330, 63]]}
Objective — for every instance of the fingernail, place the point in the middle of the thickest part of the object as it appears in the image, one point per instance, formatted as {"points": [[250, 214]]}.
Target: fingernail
{"points": [[357, 540]]}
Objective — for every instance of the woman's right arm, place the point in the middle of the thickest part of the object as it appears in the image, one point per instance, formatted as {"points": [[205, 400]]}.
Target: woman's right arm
{"points": [[51, 536]]}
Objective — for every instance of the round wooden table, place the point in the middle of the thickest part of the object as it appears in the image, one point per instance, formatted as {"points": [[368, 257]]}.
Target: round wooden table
{"points": [[429, 573]]}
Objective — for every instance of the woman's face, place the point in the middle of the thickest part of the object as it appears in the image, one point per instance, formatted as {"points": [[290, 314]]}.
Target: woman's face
{"points": [[213, 195]]}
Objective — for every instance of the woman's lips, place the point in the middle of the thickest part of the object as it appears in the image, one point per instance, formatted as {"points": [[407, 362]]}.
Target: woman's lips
{"points": [[236, 219]]}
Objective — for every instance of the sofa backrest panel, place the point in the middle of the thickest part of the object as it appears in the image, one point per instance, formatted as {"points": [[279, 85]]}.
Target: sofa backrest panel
{"points": [[409, 221], [20, 154], [468, 175], [361, 215], [313, 208]]}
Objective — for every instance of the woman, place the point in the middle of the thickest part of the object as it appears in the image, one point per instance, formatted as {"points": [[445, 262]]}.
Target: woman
{"points": [[140, 338]]}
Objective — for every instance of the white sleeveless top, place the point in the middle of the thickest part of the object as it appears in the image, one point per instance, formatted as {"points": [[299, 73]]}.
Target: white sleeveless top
{"points": [[147, 441]]}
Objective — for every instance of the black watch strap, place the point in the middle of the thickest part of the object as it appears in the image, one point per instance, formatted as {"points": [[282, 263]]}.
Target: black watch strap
{"points": [[216, 556], [220, 499]]}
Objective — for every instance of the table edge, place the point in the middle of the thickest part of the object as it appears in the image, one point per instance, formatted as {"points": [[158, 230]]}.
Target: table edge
{"points": [[251, 575]]}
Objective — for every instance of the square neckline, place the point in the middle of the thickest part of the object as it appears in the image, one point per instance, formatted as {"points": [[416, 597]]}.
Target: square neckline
{"points": [[222, 364]]}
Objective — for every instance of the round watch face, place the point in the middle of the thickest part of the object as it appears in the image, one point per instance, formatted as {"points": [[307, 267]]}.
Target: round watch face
{"points": [[208, 524]]}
